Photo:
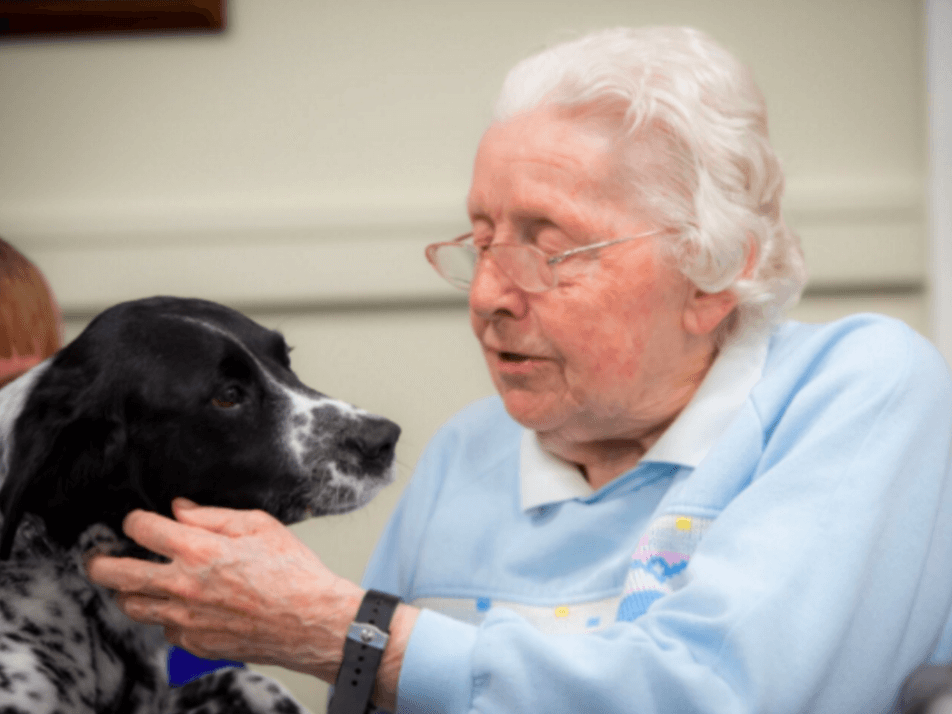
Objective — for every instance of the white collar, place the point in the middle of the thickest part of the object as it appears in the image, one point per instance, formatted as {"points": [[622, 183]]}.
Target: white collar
{"points": [[545, 478]]}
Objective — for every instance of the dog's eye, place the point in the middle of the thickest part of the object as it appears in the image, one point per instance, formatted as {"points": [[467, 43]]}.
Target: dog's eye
{"points": [[228, 398]]}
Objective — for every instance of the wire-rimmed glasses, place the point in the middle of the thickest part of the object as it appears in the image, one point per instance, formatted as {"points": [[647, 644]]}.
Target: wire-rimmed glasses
{"points": [[527, 266]]}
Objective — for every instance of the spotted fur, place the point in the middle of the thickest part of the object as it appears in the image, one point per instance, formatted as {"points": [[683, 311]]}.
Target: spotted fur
{"points": [[156, 399]]}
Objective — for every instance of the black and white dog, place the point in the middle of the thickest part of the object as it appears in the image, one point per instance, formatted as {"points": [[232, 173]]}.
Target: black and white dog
{"points": [[157, 398]]}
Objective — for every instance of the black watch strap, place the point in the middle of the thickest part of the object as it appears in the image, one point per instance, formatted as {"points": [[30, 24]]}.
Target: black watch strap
{"points": [[363, 650]]}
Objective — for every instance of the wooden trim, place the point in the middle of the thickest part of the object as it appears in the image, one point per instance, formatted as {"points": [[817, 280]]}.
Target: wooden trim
{"points": [[58, 18]]}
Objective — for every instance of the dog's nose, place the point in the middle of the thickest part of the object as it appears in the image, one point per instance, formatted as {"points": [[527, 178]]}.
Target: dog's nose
{"points": [[374, 442]]}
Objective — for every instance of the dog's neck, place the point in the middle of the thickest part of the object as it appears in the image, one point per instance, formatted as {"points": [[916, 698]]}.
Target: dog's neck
{"points": [[32, 542]]}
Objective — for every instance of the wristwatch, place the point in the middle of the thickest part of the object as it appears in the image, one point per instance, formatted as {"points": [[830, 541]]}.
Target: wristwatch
{"points": [[363, 650]]}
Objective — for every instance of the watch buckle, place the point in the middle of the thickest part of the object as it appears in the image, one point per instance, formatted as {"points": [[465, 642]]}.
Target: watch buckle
{"points": [[366, 634]]}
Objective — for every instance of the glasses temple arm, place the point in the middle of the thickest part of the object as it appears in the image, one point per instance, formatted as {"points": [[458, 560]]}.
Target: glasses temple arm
{"points": [[604, 244]]}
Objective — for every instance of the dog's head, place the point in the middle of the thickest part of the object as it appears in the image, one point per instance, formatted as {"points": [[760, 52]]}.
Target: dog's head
{"points": [[169, 397]]}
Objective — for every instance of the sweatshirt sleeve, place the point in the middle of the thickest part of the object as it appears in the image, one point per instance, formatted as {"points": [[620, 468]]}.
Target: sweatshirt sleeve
{"points": [[824, 579]]}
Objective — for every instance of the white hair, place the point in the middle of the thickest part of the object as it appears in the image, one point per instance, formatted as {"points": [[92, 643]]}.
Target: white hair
{"points": [[709, 176]]}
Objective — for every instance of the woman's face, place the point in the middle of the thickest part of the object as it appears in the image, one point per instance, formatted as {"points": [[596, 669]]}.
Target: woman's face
{"points": [[605, 353]]}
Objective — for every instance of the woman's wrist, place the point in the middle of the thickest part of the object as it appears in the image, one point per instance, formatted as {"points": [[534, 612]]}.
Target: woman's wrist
{"points": [[315, 633], [388, 676], [333, 618]]}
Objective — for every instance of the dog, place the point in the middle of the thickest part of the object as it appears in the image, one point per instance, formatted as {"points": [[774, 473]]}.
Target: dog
{"points": [[157, 398]]}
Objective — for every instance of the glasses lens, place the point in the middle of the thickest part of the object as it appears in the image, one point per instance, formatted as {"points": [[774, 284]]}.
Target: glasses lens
{"points": [[455, 262], [527, 266]]}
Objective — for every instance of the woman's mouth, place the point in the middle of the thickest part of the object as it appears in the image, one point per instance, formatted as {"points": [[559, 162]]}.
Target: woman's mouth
{"points": [[513, 357], [515, 364]]}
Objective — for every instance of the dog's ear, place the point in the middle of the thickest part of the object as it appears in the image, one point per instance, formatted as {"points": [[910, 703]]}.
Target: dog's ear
{"points": [[62, 444], [55, 472], [25, 461], [13, 401]]}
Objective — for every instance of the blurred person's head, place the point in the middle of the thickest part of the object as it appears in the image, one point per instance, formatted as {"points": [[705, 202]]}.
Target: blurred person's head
{"points": [[29, 317]]}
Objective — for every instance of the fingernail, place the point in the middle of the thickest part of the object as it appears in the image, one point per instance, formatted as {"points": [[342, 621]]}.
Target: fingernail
{"points": [[183, 502]]}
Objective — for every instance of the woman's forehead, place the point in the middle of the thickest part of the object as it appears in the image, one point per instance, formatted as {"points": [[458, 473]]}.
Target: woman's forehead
{"points": [[544, 135], [542, 158]]}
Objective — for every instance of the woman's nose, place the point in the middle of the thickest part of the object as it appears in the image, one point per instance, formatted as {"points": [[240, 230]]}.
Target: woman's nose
{"points": [[494, 293]]}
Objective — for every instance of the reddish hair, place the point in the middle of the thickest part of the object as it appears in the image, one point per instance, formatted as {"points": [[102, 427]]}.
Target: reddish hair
{"points": [[29, 317]]}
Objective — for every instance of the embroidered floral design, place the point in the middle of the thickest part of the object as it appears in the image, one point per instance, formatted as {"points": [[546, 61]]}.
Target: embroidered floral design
{"points": [[659, 562]]}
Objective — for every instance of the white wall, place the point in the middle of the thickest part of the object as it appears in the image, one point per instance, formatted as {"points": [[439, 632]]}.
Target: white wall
{"points": [[296, 165], [939, 14], [342, 133]]}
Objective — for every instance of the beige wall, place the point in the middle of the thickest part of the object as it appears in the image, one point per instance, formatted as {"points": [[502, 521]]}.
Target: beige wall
{"points": [[296, 165]]}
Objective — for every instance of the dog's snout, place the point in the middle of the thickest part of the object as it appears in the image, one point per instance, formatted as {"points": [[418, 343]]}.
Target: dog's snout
{"points": [[373, 442]]}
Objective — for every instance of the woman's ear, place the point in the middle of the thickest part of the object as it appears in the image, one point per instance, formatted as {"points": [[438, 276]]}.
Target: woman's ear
{"points": [[704, 311]]}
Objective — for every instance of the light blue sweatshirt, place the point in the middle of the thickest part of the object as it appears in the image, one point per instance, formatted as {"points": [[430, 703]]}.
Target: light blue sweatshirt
{"points": [[785, 547]]}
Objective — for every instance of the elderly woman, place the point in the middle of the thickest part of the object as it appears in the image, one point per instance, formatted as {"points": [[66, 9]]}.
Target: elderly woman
{"points": [[677, 503]]}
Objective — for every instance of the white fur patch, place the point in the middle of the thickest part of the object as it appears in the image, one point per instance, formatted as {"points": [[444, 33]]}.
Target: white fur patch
{"points": [[299, 424], [12, 400], [357, 491]]}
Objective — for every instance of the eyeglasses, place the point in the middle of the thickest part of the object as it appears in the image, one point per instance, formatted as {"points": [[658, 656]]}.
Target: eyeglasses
{"points": [[527, 266]]}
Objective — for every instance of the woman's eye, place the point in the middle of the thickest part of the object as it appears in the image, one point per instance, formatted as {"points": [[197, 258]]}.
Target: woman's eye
{"points": [[482, 241], [228, 398], [549, 239]]}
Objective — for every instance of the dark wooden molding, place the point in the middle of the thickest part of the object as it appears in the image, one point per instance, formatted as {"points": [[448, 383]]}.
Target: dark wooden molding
{"points": [[61, 18]]}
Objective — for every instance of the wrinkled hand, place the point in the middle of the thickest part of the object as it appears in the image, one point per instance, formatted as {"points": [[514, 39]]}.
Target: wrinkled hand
{"points": [[239, 586]]}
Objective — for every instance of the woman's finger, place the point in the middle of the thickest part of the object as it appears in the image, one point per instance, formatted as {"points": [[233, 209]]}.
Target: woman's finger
{"points": [[146, 609], [225, 521], [165, 536], [128, 575], [172, 612]]}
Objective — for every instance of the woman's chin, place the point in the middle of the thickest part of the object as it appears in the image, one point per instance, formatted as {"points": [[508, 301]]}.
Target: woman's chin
{"points": [[539, 412]]}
